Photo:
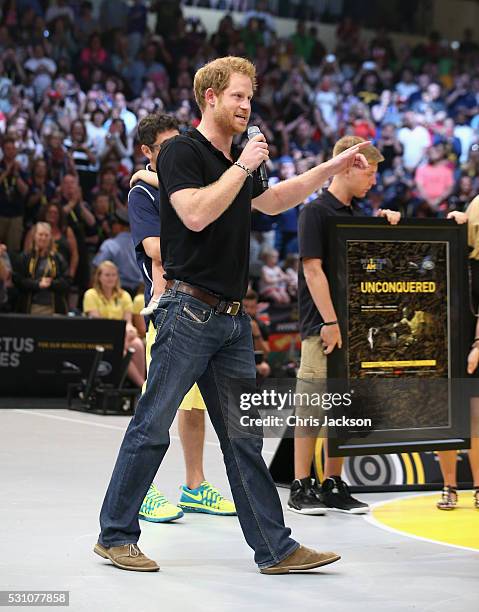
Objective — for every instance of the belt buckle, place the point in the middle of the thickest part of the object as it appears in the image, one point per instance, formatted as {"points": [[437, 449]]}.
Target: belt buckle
{"points": [[233, 308]]}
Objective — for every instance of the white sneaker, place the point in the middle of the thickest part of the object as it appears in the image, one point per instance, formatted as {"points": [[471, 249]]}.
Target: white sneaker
{"points": [[150, 307]]}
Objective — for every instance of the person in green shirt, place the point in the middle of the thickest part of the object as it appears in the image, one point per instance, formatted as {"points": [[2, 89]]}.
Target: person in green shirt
{"points": [[303, 42]]}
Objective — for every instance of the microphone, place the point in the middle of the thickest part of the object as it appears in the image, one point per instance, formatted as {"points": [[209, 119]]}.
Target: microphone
{"points": [[254, 130]]}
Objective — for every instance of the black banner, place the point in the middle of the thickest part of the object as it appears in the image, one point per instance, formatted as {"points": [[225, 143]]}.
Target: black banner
{"points": [[39, 356]]}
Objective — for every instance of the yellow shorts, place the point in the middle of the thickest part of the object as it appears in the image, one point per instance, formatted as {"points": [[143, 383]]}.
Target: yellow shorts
{"points": [[193, 399]]}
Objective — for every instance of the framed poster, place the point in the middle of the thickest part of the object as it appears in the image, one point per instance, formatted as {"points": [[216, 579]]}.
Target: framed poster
{"points": [[400, 293]]}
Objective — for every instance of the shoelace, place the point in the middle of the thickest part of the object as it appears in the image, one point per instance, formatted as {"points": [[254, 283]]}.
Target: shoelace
{"points": [[315, 489], [157, 498], [134, 551], [212, 494], [343, 489]]}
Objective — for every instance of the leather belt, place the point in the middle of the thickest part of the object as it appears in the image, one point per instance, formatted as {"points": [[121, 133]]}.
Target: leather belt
{"points": [[221, 306]]}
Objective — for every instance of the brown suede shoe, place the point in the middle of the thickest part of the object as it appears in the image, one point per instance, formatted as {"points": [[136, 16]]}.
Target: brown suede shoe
{"points": [[127, 557], [301, 559]]}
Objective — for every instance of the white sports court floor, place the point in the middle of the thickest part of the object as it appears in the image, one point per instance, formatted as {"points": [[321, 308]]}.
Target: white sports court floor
{"points": [[55, 466]]}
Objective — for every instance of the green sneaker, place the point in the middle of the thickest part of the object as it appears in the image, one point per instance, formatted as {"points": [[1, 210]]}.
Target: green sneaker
{"points": [[207, 499], [157, 509]]}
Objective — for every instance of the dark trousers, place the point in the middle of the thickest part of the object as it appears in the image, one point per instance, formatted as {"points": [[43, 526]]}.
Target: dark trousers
{"points": [[210, 349]]}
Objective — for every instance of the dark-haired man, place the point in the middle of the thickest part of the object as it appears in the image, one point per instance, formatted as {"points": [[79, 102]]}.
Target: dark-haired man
{"points": [[143, 208], [143, 203]]}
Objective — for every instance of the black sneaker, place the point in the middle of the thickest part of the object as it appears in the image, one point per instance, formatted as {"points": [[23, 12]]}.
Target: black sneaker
{"points": [[303, 498], [336, 496]]}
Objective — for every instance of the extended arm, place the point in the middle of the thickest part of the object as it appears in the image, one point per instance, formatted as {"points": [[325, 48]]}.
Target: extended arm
{"points": [[294, 191]]}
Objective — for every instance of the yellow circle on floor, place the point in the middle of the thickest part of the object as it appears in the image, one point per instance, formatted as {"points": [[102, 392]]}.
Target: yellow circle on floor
{"points": [[419, 517]]}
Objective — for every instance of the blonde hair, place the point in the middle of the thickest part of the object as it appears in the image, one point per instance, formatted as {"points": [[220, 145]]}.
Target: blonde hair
{"points": [[217, 73], [96, 279], [50, 268], [472, 212], [372, 155], [269, 252], [45, 226]]}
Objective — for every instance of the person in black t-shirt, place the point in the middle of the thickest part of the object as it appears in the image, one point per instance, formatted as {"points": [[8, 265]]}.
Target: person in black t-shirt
{"points": [[319, 327], [207, 187], [389, 146]]}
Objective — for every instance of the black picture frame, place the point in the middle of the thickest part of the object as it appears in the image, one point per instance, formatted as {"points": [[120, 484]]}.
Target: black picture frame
{"points": [[346, 232]]}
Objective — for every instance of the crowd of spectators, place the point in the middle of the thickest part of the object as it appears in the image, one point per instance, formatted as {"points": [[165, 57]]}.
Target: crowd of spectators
{"points": [[74, 84], [402, 15]]}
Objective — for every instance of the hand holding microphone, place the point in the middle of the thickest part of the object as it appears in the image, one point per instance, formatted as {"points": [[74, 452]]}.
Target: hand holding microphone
{"points": [[256, 153]]}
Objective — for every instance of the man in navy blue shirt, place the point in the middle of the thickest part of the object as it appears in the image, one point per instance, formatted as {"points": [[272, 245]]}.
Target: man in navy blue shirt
{"points": [[143, 209]]}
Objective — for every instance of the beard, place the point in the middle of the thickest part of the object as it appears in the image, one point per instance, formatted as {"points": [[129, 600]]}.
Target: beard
{"points": [[226, 120]]}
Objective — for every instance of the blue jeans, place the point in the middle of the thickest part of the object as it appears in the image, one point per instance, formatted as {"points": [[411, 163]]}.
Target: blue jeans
{"points": [[195, 344]]}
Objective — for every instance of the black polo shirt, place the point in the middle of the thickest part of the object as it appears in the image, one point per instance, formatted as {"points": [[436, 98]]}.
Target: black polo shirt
{"points": [[216, 258], [313, 243]]}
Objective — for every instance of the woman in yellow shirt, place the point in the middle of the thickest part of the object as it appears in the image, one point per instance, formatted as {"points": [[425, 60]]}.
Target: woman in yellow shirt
{"points": [[107, 300]]}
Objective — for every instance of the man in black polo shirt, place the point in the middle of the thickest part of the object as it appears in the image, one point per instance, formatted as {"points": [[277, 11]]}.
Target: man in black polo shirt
{"points": [[207, 187], [319, 327]]}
